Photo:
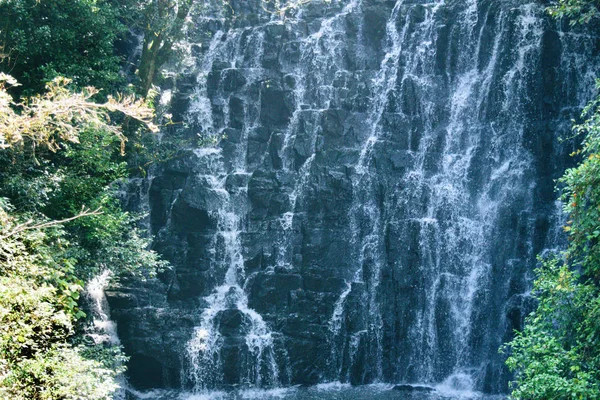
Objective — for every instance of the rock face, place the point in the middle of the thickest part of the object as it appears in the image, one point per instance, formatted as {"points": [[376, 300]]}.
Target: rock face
{"points": [[375, 207]]}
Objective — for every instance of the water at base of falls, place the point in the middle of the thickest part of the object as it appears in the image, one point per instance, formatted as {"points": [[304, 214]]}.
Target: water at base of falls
{"points": [[328, 391]]}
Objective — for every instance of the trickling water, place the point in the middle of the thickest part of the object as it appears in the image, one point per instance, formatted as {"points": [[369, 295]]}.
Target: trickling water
{"points": [[204, 350], [105, 330], [369, 258], [319, 52], [382, 186]]}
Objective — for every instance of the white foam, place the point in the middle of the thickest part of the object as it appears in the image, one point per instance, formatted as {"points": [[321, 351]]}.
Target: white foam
{"points": [[332, 386], [213, 395], [258, 394], [460, 385], [105, 328]]}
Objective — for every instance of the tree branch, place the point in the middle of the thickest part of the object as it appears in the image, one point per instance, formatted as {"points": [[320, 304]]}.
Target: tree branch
{"points": [[27, 226]]}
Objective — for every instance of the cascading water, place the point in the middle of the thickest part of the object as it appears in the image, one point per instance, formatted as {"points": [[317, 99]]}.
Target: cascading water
{"points": [[227, 324], [229, 301], [374, 207], [455, 220], [104, 330], [321, 51], [365, 216]]}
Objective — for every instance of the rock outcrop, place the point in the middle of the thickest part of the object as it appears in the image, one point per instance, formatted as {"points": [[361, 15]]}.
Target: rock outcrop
{"points": [[385, 177]]}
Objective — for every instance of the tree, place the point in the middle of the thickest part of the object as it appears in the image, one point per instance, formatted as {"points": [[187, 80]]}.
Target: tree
{"points": [[51, 242], [163, 21], [60, 115], [42, 39]]}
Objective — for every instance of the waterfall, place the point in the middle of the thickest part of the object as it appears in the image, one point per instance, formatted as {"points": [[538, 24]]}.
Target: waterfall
{"points": [[104, 330], [382, 183], [248, 338], [229, 300], [455, 221], [365, 213], [318, 50]]}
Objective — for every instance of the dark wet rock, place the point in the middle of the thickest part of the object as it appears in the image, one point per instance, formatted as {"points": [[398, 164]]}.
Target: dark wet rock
{"points": [[233, 79], [358, 192], [275, 105], [414, 388]]}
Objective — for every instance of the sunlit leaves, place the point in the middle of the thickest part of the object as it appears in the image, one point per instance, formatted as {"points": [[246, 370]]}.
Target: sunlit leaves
{"points": [[61, 115], [576, 11], [51, 242]]}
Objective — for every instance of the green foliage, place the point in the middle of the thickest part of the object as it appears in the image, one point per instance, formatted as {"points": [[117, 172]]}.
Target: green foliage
{"points": [[163, 22], [63, 372], [39, 293], [581, 196], [577, 11], [43, 39], [61, 115], [557, 356], [60, 158]]}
